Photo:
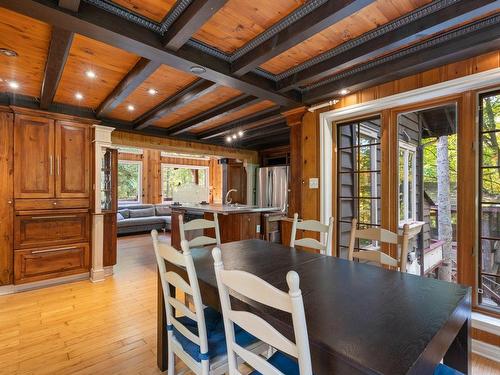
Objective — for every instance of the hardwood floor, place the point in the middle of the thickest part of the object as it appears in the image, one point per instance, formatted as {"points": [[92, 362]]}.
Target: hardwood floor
{"points": [[104, 328]]}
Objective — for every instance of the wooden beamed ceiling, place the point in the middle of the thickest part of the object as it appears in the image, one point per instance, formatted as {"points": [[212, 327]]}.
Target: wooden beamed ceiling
{"points": [[205, 69]]}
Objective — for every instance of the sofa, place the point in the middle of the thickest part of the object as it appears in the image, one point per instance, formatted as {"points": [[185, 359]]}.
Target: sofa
{"points": [[143, 218]]}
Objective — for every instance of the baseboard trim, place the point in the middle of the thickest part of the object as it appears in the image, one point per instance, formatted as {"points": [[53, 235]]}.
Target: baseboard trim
{"points": [[108, 271], [10, 289], [486, 350]]}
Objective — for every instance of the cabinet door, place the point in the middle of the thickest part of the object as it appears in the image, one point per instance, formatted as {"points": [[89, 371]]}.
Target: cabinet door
{"points": [[51, 228], [6, 198], [33, 157], [72, 160], [46, 263]]}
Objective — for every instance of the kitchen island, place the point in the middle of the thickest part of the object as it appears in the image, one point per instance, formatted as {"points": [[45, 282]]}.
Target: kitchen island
{"points": [[236, 221]]}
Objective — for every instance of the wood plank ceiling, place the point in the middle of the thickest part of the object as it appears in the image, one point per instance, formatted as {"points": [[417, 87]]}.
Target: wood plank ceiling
{"points": [[207, 69]]}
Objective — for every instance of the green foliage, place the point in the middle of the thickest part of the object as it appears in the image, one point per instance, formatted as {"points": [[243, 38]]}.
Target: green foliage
{"points": [[128, 182]]}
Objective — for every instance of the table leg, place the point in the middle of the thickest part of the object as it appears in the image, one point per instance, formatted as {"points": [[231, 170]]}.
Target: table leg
{"points": [[458, 355], [161, 332]]}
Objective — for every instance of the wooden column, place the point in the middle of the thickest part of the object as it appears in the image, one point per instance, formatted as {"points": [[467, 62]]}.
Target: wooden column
{"points": [[6, 198], [294, 120]]}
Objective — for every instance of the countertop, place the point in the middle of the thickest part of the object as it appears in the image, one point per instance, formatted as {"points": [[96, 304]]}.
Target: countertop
{"points": [[223, 209]]}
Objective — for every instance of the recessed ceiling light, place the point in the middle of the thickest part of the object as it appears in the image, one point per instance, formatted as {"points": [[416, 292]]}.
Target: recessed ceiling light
{"points": [[344, 92], [240, 133], [152, 91], [79, 96], [197, 69], [228, 138], [8, 52], [13, 85], [90, 74], [130, 107], [234, 136]]}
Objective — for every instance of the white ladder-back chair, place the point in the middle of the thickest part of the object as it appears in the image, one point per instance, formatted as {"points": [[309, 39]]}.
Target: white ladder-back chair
{"points": [[254, 288], [200, 224], [197, 337], [383, 236], [312, 226]]}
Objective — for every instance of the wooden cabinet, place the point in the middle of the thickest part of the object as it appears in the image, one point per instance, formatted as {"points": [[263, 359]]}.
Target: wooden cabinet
{"points": [[72, 160], [6, 198], [33, 157], [52, 159], [44, 263], [47, 228]]}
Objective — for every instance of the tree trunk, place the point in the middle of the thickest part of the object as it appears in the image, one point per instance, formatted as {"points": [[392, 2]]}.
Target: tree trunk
{"points": [[445, 231]]}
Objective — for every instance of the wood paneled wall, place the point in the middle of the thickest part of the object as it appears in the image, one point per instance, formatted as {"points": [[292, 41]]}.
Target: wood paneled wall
{"points": [[151, 173]]}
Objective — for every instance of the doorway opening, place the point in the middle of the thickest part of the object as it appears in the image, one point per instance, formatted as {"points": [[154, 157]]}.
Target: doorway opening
{"points": [[427, 189]]}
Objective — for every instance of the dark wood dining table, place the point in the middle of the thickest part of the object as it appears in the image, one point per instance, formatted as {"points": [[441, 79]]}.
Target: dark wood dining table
{"points": [[361, 319]]}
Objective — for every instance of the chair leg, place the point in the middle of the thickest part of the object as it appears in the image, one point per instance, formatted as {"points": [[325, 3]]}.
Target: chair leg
{"points": [[171, 358]]}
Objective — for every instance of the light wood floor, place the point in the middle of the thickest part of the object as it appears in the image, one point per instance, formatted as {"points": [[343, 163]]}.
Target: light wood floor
{"points": [[104, 328]]}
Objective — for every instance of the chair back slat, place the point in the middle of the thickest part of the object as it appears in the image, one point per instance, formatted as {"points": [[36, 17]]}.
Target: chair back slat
{"points": [[312, 226], [200, 224], [377, 234], [184, 331], [202, 241], [256, 289], [166, 253], [376, 256], [176, 280], [310, 243], [183, 309], [261, 329], [383, 236], [258, 363], [245, 285]]}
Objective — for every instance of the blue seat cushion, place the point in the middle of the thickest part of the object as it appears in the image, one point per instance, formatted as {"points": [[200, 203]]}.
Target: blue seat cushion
{"points": [[215, 335], [282, 362], [446, 370]]}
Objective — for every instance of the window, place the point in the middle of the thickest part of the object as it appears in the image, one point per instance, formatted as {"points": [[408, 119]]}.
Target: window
{"points": [[489, 202], [129, 181], [178, 175], [407, 183], [358, 176]]}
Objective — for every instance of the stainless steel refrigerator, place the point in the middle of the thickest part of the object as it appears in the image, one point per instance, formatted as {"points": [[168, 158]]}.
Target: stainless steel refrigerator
{"points": [[272, 187]]}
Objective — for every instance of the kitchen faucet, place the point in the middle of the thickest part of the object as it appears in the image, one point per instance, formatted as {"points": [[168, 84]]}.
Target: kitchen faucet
{"points": [[227, 200]]}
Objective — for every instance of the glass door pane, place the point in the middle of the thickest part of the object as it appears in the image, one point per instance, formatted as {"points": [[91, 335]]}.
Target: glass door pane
{"points": [[489, 202], [358, 176], [427, 141]]}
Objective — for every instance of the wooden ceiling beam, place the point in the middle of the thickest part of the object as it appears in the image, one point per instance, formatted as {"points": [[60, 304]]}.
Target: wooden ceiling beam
{"points": [[319, 19], [192, 92], [72, 5], [435, 22], [60, 44], [263, 143], [460, 45], [264, 132], [190, 21], [266, 116], [98, 24], [212, 114], [134, 78]]}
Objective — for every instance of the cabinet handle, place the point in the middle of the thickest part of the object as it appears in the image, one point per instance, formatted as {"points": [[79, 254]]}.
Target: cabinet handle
{"points": [[51, 166], [58, 164], [9, 202], [51, 250], [54, 217]]}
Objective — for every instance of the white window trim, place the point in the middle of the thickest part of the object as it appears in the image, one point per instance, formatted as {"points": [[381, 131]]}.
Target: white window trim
{"points": [[199, 167], [139, 185], [407, 148]]}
